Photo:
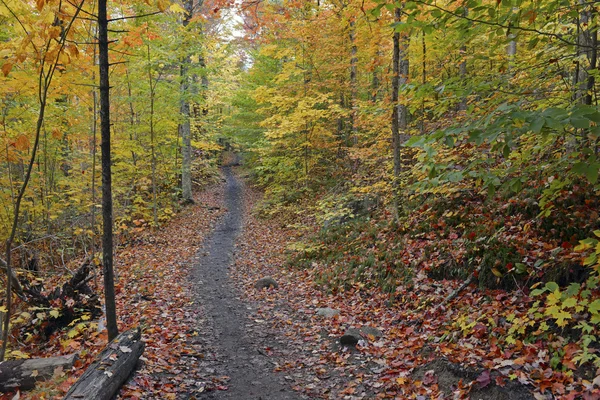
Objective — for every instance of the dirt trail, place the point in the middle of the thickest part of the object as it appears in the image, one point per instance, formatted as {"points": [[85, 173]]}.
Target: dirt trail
{"points": [[236, 349]]}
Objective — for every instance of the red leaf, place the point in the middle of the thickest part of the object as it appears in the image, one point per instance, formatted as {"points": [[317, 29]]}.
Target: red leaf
{"points": [[430, 378], [484, 379]]}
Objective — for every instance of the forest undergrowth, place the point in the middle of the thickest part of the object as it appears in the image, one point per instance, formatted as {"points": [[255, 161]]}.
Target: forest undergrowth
{"points": [[154, 291], [406, 279]]}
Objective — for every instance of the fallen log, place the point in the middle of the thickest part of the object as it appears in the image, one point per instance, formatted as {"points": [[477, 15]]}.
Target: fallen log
{"points": [[111, 368], [23, 374]]}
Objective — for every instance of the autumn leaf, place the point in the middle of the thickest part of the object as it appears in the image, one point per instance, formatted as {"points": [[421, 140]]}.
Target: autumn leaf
{"points": [[163, 4], [484, 379], [22, 143], [6, 68]]}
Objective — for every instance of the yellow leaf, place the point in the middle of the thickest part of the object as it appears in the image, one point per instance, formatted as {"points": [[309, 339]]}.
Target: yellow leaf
{"points": [[163, 4], [176, 8], [54, 313], [496, 272], [18, 354], [3, 309], [562, 317], [401, 380]]}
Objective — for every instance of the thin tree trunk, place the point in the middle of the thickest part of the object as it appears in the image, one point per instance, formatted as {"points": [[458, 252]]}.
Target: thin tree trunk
{"points": [[424, 79], [591, 40], [462, 69], [184, 127], [152, 149], [353, 83], [107, 205], [399, 111]]}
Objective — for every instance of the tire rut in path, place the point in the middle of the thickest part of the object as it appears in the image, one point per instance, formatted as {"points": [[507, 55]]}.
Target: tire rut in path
{"points": [[250, 372]]}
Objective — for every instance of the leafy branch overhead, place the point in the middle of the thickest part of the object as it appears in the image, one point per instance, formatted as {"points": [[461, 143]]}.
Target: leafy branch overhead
{"points": [[423, 178]]}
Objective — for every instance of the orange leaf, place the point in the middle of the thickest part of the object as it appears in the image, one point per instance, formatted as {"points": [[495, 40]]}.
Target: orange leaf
{"points": [[22, 143], [163, 4], [39, 4], [6, 68]]}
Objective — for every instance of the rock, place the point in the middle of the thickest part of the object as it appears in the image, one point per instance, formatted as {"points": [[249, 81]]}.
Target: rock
{"points": [[367, 331], [351, 210], [447, 375], [266, 282], [351, 337], [327, 312]]}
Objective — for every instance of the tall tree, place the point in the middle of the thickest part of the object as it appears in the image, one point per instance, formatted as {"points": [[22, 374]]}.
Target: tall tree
{"points": [[399, 121], [107, 203], [185, 125]]}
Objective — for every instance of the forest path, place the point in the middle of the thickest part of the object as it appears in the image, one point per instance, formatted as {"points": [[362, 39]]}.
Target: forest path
{"points": [[236, 347]]}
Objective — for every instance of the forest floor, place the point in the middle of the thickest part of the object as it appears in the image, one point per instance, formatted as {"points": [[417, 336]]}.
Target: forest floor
{"points": [[210, 334]]}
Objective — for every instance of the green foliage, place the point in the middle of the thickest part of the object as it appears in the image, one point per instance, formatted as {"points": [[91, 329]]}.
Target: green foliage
{"points": [[353, 253]]}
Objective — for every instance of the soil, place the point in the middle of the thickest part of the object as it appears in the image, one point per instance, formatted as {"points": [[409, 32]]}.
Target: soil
{"points": [[236, 341]]}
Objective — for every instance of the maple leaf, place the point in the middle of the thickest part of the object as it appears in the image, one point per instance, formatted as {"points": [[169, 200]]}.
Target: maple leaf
{"points": [[484, 379], [6, 68]]}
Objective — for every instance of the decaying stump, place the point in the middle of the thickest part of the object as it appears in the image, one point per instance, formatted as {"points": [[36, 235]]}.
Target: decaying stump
{"points": [[22, 374], [112, 367], [73, 299]]}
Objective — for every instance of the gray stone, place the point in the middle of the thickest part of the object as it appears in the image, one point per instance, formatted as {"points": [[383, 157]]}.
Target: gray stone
{"points": [[327, 312], [352, 209], [352, 335], [266, 282], [447, 376], [366, 330]]}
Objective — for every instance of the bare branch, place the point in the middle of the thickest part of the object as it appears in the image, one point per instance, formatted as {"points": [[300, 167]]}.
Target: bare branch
{"points": [[135, 16]]}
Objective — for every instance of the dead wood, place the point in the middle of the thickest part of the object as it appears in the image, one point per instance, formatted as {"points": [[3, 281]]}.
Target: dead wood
{"points": [[23, 374], [111, 368]]}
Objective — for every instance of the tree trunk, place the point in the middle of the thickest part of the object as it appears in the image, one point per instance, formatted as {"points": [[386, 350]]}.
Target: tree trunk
{"points": [[399, 111], [353, 83], [111, 368], [23, 374], [152, 85], [462, 69], [184, 126], [107, 206]]}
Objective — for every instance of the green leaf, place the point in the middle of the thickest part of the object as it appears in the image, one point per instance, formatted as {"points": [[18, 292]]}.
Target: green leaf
{"points": [[506, 151], [537, 292], [580, 122], [594, 306], [551, 286], [376, 12], [537, 125], [569, 302], [415, 141], [573, 289], [591, 173]]}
